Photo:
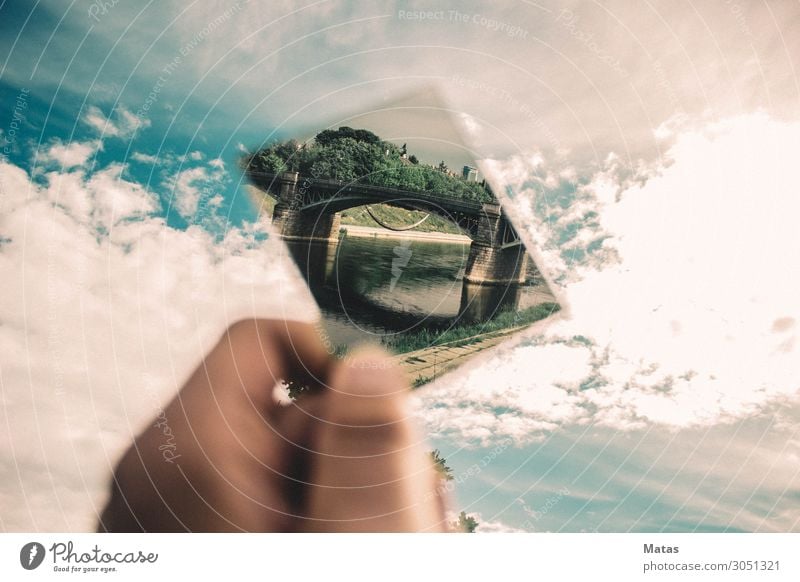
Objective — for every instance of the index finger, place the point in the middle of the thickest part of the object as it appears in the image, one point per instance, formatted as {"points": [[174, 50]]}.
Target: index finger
{"points": [[257, 354]]}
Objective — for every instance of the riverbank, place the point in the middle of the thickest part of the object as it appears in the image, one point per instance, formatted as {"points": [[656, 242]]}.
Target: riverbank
{"points": [[465, 333], [376, 232], [429, 353]]}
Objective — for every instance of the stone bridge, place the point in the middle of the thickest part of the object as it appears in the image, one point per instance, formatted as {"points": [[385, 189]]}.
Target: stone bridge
{"points": [[308, 209]]}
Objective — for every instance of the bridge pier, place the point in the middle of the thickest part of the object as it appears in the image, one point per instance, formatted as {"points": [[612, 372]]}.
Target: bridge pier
{"points": [[483, 302], [488, 262], [315, 259], [292, 222]]}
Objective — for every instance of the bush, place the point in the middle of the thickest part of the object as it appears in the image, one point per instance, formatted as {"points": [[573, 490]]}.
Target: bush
{"points": [[358, 155]]}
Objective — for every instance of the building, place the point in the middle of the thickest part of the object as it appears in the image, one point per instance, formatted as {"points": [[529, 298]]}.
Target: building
{"points": [[470, 174]]}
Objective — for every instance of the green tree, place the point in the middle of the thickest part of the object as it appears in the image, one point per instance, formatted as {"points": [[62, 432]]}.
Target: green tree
{"points": [[411, 178], [330, 136], [466, 523], [440, 464], [268, 161], [358, 155], [288, 151]]}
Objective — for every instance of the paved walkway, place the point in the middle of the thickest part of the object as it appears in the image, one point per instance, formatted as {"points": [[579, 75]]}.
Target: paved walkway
{"points": [[432, 362]]}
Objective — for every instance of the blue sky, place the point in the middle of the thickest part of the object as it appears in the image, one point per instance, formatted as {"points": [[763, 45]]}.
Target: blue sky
{"points": [[648, 157]]}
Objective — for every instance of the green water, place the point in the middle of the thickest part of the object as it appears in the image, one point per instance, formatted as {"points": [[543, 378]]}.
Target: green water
{"points": [[369, 287]]}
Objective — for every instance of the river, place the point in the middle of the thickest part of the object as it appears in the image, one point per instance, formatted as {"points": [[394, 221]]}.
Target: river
{"points": [[369, 287]]}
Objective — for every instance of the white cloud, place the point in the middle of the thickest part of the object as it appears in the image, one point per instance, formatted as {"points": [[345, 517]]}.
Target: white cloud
{"points": [[486, 526], [69, 155], [706, 247], [122, 123], [98, 199], [144, 158], [191, 186], [186, 193], [563, 92], [696, 323], [471, 124], [522, 393], [116, 199], [97, 329]]}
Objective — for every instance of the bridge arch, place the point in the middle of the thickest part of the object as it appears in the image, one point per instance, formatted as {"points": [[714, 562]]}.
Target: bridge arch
{"points": [[308, 209], [317, 197]]}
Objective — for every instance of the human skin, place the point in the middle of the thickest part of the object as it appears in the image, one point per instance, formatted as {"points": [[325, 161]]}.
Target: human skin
{"points": [[343, 457]]}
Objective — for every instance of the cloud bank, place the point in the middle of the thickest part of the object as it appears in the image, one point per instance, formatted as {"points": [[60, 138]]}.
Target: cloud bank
{"points": [[105, 310], [681, 289]]}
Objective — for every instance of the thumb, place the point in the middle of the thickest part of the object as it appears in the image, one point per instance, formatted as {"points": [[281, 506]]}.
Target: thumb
{"points": [[370, 469]]}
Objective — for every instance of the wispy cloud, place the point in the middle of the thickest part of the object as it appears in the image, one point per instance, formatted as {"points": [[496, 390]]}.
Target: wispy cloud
{"points": [[68, 155], [143, 158], [190, 187], [121, 124]]}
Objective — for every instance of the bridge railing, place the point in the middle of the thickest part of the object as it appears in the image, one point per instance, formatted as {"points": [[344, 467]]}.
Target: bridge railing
{"points": [[267, 180]]}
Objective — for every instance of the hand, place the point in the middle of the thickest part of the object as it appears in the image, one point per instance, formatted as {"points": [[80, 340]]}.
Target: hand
{"points": [[226, 456]]}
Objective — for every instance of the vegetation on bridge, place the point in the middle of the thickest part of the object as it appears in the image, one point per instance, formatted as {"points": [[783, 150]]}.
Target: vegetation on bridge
{"points": [[357, 155]]}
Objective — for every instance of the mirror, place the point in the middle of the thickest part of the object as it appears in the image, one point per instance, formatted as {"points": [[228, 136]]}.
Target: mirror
{"points": [[400, 236]]}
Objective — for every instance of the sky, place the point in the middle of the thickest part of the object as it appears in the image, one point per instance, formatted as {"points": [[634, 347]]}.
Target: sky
{"points": [[646, 154]]}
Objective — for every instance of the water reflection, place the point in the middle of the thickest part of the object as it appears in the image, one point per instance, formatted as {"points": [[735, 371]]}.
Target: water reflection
{"points": [[368, 287]]}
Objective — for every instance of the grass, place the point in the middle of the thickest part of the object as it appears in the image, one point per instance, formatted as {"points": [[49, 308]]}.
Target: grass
{"points": [[421, 381], [389, 214], [465, 334], [398, 217]]}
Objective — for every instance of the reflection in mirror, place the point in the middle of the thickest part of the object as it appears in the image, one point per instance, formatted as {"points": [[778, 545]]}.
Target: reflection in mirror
{"points": [[396, 246]]}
